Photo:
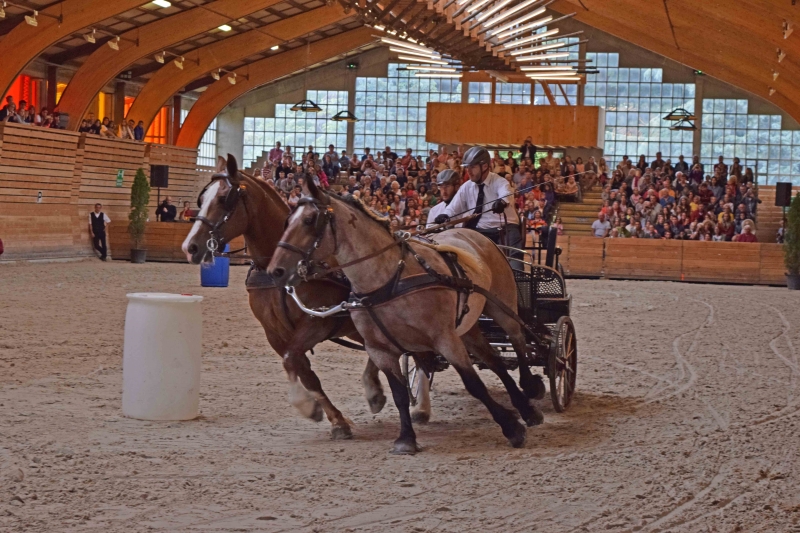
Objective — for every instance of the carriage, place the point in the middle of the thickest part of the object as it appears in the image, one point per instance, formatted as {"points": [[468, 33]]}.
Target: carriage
{"points": [[544, 307]]}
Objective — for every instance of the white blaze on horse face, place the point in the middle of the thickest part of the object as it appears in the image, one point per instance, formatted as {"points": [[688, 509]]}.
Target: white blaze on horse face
{"points": [[208, 197]]}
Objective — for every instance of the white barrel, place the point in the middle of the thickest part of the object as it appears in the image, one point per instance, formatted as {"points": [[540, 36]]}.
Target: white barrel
{"points": [[162, 356]]}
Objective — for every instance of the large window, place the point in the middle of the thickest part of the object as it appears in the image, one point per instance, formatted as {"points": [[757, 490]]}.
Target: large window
{"points": [[635, 100], [479, 92], [297, 128], [392, 110], [512, 93], [757, 140], [207, 151]]}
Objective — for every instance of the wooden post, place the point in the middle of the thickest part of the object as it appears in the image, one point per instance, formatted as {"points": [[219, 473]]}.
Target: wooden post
{"points": [[52, 87], [176, 118], [119, 102]]}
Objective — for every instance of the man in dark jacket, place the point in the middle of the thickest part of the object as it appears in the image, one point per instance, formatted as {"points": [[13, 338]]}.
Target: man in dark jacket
{"points": [[166, 211]]}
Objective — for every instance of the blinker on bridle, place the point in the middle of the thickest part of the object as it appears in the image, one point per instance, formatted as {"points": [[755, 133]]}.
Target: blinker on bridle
{"points": [[323, 218], [229, 204]]}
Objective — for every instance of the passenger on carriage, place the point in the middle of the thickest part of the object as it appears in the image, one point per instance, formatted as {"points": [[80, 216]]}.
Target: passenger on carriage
{"points": [[448, 181]]}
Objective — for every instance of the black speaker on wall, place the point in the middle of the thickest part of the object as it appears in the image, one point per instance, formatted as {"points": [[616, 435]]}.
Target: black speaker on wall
{"points": [[159, 176], [783, 194]]}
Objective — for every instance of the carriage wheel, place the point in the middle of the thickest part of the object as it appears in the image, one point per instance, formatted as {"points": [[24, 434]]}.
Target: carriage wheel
{"points": [[414, 377], [562, 367]]}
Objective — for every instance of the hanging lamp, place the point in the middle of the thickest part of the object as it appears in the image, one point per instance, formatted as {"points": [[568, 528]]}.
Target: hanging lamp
{"points": [[683, 125], [306, 105], [346, 115], [679, 114]]}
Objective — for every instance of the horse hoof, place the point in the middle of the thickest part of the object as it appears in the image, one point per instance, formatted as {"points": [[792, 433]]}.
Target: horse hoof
{"points": [[341, 433], [534, 388], [404, 448], [516, 437], [376, 403], [420, 417], [535, 417], [317, 414]]}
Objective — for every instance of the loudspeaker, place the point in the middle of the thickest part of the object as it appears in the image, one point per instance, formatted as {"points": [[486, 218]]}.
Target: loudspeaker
{"points": [[159, 176], [783, 194]]}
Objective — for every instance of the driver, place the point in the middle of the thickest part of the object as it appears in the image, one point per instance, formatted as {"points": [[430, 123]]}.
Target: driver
{"points": [[449, 181], [483, 189]]}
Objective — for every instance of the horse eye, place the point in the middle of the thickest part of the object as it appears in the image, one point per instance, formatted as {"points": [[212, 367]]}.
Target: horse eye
{"points": [[308, 221]]}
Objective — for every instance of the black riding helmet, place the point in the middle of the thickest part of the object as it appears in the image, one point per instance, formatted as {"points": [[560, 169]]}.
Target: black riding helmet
{"points": [[477, 155], [446, 176]]}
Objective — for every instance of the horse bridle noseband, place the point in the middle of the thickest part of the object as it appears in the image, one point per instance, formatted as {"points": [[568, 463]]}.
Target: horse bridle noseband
{"points": [[323, 219], [230, 203]]}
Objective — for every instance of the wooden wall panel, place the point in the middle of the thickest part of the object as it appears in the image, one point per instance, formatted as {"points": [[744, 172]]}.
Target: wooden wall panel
{"points": [[585, 257], [498, 124], [643, 259], [727, 262], [163, 242], [772, 270]]}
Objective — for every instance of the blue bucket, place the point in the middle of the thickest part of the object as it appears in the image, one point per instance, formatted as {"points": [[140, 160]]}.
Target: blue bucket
{"points": [[216, 274]]}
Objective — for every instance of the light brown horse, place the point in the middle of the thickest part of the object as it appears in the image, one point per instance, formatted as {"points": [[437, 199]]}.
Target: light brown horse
{"points": [[234, 204], [342, 230]]}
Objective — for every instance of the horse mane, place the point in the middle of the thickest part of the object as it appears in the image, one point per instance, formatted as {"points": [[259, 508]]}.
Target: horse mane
{"points": [[265, 188], [361, 206]]}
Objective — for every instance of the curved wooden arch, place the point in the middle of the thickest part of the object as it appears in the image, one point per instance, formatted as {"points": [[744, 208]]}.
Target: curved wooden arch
{"points": [[743, 52], [260, 73], [105, 63], [25, 42], [169, 80]]}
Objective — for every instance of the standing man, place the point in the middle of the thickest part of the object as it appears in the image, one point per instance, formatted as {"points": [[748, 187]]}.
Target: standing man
{"points": [[528, 150], [166, 212], [276, 154], [98, 222], [448, 181], [486, 188]]}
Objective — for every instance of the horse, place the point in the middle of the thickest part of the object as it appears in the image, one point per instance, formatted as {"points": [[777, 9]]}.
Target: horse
{"points": [[424, 315], [234, 204]]}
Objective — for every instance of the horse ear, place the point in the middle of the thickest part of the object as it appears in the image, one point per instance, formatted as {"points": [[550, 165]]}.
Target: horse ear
{"points": [[233, 170], [313, 190], [221, 164]]}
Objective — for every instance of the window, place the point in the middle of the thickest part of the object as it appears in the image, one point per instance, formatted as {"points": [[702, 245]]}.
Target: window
{"points": [[479, 92], [635, 100], [393, 109], [207, 151], [565, 94], [512, 93], [728, 130], [297, 128], [157, 132]]}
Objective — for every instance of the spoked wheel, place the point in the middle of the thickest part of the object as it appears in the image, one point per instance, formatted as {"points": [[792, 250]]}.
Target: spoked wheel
{"points": [[414, 376], [562, 367]]}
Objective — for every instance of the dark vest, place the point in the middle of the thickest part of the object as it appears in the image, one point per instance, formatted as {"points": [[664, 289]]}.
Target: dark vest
{"points": [[98, 223]]}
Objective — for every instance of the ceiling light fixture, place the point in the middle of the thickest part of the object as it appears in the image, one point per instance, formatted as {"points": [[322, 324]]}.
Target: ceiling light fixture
{"points": [[514, 26], [273, 48], [216, 75], [433, 75], [31, 19], [414, 53], [549, 73], [3, 6], [542, 48], [344, 116], [683, 125], [781, 55], [775, 75], [114, 43], [405, 44], [224, 27], [541, 57], [513, 10], [160, 57], [554, 78], [431, 69], [162, 3], [423, 60], [90, 37], [306, 106], [531, 38], [679, 114], [232, 78], [545, 68], [179, 62], [771, 91], [497, 7], [477, 5]]}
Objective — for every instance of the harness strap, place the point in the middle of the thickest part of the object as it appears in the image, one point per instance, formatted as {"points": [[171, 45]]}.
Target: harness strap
{"points": [[348, 344], [291, 247], [383, 329]]}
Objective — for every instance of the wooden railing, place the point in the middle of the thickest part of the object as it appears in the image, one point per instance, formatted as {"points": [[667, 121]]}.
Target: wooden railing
{"points": [[162, 241], [647, 259], [72, 172]]}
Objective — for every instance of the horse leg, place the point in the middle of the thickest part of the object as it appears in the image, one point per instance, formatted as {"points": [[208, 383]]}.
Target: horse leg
{"points": [[453, 349], [299, 397], [372, 387], [532, 384], [422, 411], [477, 344], [389, 363], [340, 428]]}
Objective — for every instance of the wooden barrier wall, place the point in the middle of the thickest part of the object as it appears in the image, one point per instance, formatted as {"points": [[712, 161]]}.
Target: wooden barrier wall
{"points": [[74, 171], [646, 259], [162, 240]]}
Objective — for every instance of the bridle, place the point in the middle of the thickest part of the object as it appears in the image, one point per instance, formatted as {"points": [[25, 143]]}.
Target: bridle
{"points": [[323, 219], [230, 203]]}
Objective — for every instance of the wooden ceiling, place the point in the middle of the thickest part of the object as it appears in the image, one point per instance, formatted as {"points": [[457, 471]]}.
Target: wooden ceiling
{"points": [[735, 41]]}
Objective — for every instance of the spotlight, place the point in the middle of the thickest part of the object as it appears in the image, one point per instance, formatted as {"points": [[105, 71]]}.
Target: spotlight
{"points": [[224, 27], [3, 10], [162, 3], [273, 48], [781, 53], [232, 78], [771, 91], [31, 19], [90, 37], [179, 62], [160, 58], [114, 43]]}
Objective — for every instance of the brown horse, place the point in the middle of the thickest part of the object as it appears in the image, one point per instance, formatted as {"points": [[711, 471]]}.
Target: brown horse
{"points": [[234, 204], [423, 319]]}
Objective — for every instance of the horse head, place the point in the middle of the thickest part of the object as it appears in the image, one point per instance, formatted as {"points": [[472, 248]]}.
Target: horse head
{"points": [[222, 216], [304, 239]]}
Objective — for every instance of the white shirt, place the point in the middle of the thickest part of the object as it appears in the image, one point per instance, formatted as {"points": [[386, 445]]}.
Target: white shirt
{"points": [[494, 188], [94, 215], [435, 211]]}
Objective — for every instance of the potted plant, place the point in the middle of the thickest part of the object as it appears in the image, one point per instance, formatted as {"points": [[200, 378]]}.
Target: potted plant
{"points": [[140, 198], [791, 245]]}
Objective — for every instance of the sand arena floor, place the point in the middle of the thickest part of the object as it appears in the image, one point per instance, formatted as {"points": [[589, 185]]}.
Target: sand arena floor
{"points": [[687, 419]]}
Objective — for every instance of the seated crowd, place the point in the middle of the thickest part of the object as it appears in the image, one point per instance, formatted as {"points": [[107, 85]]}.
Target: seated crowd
{"points": [[404, 186], [660, 200], [27, 114]]}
